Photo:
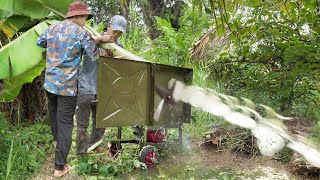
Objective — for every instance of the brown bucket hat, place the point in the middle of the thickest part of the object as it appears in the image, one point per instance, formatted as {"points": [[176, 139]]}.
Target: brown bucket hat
{"points": [[78, 9]]}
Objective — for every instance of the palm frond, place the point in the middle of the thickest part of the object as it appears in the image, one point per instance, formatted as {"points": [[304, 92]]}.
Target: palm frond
{"points": [[208, 42]]}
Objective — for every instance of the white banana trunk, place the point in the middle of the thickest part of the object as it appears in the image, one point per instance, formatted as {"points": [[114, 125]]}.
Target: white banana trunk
{"points": [[118, 52]]}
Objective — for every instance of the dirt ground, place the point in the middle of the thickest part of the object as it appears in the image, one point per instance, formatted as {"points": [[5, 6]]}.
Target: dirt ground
{"points": [[208, 158], [46, 172], [208, 155], [239, 162], [248, 158]]}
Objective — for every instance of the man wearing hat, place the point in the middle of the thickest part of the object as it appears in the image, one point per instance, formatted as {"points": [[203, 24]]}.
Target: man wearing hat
{"points": [[64, 43], [88, 90]]}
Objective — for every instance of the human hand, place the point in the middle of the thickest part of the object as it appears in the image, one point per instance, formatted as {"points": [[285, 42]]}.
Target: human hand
{"points": [[103, 39], [106, 53], [96, 39], [107, 39], [109, 52]]}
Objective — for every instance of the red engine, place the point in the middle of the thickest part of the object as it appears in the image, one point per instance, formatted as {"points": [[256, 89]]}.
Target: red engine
{"points": [[156, 135]]}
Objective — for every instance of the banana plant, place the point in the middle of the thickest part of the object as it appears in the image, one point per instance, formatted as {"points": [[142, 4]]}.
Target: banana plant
{"points": [[21, 60]]}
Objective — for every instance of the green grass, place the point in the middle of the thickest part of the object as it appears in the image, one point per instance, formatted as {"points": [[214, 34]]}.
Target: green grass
{"points": [[23, 148]]}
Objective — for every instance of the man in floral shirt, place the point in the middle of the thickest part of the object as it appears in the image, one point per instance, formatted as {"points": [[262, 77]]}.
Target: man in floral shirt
{"points": [[65, 43]]}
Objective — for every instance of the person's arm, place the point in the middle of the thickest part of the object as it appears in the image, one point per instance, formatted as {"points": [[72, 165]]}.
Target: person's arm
{"points": [[42, 39], [90, 45], [104, 39]]}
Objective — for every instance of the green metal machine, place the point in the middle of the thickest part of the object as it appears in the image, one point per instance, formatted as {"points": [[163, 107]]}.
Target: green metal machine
{"points": [[136, 93]]}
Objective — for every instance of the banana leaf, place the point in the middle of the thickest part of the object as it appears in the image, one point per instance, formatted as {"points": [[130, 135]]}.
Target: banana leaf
{"points": [[26, 61], [35, 9], [30, 8], [57, 6], [21, 60], [12, 24], [6, 8], [13, 84], [4, 64], [22, 53], [18, 12]]}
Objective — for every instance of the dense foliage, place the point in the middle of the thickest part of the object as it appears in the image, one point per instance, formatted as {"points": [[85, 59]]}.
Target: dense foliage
{"points": [[270, 56]]}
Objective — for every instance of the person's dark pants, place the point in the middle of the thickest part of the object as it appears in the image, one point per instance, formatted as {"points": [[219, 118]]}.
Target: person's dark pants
{"points": [[61, 111], [87, 103], [52, 109]]}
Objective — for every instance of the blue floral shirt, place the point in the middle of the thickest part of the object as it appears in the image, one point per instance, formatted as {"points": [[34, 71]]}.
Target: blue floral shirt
{"points": [[65, 43]]}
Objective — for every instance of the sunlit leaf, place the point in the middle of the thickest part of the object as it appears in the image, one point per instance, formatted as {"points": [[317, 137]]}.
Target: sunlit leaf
{"points": [[22, 52], [223, 54], [12, 24], [233, 37], [30, 8], [244, 33], [36, 9], [220, 29], [40, 28], [13, 85], [89, 22], [254, 29], [4, 62], [250, 21], [99, 27], [57, 6], [233, 27], [6, 8]]}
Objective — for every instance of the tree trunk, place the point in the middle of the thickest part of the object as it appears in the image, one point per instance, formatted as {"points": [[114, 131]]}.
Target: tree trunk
{"points": [[177, 12], [124, 9], [171, 10], [150, 10]]}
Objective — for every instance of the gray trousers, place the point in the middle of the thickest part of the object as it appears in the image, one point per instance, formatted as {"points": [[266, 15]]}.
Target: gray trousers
{"points": [[61, 110], [86, 103]]}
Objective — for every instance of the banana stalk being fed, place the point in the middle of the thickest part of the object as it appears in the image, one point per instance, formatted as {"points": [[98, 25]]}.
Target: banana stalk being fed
{"points": [[118, 52]]}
